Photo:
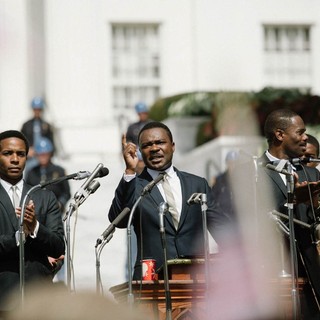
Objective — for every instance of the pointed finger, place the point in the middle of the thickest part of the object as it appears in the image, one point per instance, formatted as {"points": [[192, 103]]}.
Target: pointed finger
{"points": [[124, 140]]}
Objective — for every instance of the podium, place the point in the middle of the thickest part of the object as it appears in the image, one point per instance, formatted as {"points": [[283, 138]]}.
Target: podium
{"points": [[187, 288], [188, 293]]}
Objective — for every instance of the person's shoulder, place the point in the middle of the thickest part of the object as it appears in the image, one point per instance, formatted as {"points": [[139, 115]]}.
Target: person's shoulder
{"points": [[45, 122], [133, 125], [56, 170], [189, 175], [34, 169], [28, 122]]}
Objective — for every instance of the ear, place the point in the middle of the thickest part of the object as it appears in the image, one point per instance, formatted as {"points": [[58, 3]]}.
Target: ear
{"points": [[279, 134], [173, 146]]}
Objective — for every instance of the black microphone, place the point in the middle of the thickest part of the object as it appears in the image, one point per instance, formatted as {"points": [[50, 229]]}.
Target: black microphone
{"points": [[195, 198], [107, 234], [309, 159], [151, 184], [75, 176], [294, 161], [274, 168], [98, 172]]}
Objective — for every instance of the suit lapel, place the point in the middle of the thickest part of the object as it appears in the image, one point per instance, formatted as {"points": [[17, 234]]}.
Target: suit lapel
{"points": [[273, 175], [9, 210], [185, 192]]}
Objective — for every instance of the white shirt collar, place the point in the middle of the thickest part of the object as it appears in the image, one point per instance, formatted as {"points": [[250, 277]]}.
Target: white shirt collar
{"points": [[154, 173], [6, 185]]}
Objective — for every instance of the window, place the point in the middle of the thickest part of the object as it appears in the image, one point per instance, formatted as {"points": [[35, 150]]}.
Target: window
{"points": [[135, 65], [287, 50]]}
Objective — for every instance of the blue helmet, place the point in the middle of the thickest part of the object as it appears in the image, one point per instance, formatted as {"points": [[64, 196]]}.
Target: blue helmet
{"points": [[43, 145], [37, 103], [141, 107]]}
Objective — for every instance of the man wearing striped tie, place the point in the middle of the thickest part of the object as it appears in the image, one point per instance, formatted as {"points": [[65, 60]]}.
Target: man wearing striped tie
{"points": [[183, 223]]}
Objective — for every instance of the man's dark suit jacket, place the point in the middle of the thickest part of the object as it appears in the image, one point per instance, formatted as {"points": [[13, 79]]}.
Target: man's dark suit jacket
{"points": [[302, 212], [46, 130], [49, 240], [187, 240]]}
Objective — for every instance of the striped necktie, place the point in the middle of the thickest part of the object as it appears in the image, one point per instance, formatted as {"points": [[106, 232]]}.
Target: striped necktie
{"points": [[170, 200]]}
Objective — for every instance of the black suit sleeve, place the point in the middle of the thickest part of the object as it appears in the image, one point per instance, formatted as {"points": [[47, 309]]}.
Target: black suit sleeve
{"points": [[124, 197]]}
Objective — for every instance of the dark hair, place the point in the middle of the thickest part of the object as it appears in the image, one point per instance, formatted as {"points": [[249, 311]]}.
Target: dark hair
{"points": [[15, 134], [313, 140], [155, 124], [278, 119]]}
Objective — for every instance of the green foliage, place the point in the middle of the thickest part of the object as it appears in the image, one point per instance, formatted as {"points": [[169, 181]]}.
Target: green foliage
{"points": [[213, 104], [186, 104], [159, 110]]}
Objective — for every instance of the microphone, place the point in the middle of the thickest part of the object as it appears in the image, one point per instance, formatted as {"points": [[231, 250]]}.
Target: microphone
{"points": [[195, 198], [75, 176], [163, 208], [151, 184], [107, 234], [98, 172], [309, 159], [294, 161], [275, 168]]}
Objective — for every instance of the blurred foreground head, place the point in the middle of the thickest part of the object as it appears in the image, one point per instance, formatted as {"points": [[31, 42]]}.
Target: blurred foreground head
{"points": [[58, 303]]}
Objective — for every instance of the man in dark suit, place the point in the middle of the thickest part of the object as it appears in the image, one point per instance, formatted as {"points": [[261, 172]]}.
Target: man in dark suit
{"points": [[286, 136], [185, 239], [36, 128], [43, 229]]}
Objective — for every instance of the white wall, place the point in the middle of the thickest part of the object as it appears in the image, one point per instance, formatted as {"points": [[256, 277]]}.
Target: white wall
{"points": [[13, 64], [205, 45]]}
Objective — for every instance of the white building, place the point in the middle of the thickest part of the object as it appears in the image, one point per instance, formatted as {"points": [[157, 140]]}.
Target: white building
{"points": [[92, 60]]}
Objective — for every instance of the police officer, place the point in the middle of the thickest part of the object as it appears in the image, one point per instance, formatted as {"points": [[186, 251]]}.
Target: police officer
{"points": [[34, 129], [46, 170]]}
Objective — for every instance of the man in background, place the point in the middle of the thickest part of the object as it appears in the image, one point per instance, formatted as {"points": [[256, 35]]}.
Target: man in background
{"points": [[312, 150], [35, 128], [47, 170]]}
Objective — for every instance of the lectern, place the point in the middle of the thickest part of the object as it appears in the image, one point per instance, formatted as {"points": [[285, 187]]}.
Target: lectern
{"points": [[187, 288]]}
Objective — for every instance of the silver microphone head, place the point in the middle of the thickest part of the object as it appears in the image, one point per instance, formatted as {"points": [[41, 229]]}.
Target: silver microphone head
{"points": [[82, 175]]}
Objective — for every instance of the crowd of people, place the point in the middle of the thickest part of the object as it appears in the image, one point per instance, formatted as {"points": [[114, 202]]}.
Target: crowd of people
{"points": [[239, 203]]}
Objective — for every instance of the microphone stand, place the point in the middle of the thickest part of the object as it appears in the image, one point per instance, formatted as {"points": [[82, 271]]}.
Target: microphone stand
{"points": [[98, 275], [145, 191], [73, 206], [163, 207], [21, 232], [103, 240], [21, 242], [204, 208], [293, 249], [129, 233]]}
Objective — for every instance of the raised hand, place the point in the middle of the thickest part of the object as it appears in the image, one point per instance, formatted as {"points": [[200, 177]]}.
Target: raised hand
{"points": [[129, 151]]}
